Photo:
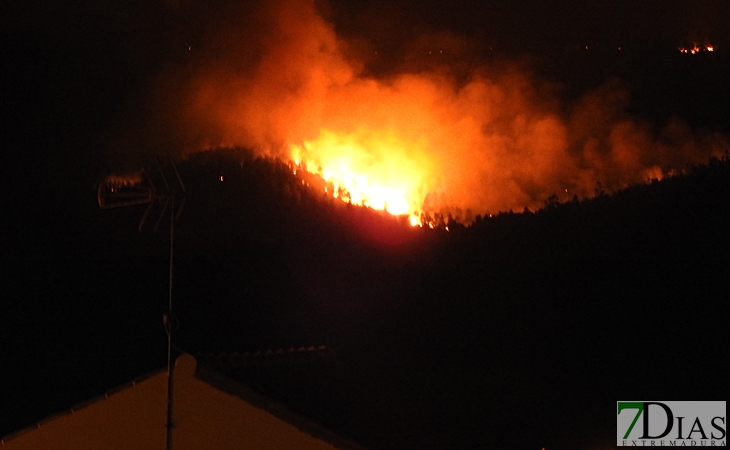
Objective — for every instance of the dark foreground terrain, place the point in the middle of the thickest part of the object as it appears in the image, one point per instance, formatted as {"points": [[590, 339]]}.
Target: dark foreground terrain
{"points": [[520, 331]]}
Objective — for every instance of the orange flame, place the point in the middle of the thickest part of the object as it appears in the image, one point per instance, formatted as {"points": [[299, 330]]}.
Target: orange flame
{"points": [[367, 168], [695, 49]]}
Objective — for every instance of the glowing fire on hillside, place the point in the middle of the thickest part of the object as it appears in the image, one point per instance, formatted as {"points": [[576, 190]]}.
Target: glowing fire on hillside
{"points": [[452, 136], [393, 182], [695, 49]]}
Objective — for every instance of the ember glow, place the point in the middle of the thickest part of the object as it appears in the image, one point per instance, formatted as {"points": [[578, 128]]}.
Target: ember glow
{"points": [[435, 136], [695, 49], [123, 180]]}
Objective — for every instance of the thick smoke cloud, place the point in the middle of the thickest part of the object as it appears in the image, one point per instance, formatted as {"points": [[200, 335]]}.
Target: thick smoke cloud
{"points": [[472, 135]]}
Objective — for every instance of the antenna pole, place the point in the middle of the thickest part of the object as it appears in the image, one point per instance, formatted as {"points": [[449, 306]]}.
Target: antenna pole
{"points": [[169, 325], [114, 194]]}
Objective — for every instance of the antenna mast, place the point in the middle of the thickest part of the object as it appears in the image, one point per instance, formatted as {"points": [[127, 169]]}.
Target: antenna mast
{"points": [[159, 194]]}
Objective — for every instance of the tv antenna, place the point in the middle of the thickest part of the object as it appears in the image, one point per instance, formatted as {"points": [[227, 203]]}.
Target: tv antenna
{"points": [[159, 186]]}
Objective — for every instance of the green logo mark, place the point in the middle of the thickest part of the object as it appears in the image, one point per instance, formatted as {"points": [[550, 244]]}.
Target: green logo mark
{"points": [[639, 406]]}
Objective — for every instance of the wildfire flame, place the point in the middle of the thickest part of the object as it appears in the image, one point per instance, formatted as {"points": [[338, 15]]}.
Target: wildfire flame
{"points": [[695, 49], [394, 183]]}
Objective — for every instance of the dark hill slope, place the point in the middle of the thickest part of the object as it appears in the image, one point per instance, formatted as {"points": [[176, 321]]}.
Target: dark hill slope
{"points": [[484, 328], [622, 296]]}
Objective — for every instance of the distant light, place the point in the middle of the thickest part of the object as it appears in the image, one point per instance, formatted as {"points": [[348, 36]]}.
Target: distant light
{"points": [[220, 178], [694, 50], [190, 47]]}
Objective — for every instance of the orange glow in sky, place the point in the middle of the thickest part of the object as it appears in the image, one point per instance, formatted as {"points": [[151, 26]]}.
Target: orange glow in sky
{"points": [[436, 136]]}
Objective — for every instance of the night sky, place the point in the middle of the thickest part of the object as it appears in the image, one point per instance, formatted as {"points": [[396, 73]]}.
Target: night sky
{"points": [[86, 89]]}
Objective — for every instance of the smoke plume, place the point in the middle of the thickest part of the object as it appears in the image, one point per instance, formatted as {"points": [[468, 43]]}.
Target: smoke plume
{"points": [[454, 132]]}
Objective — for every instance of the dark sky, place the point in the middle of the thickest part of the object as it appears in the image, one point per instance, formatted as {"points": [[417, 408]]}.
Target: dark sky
{"points": [[556, 20]]}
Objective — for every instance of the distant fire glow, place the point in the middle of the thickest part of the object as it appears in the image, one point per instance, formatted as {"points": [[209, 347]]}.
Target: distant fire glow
{"points": [[695, 49]]}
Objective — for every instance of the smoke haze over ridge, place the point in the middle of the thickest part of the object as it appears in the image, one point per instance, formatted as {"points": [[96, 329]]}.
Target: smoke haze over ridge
{"points": [[473, 134]]}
